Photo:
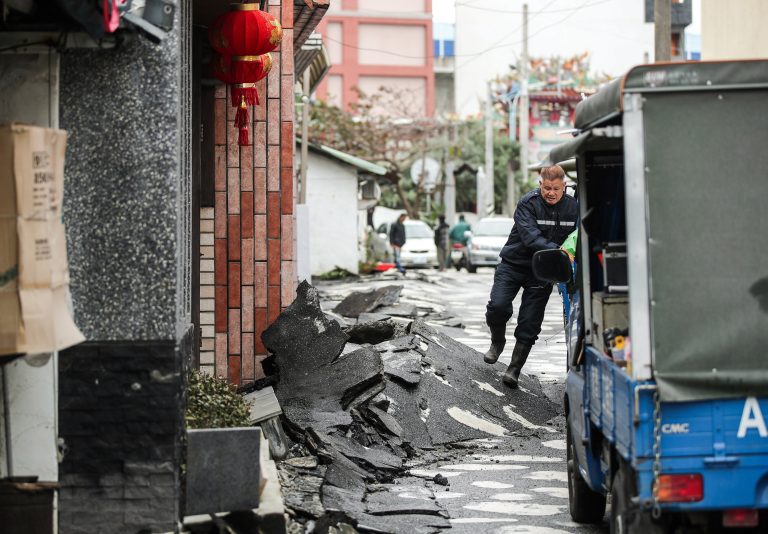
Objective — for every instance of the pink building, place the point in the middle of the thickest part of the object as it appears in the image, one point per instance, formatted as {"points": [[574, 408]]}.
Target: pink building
{"points": [[375, 44]]}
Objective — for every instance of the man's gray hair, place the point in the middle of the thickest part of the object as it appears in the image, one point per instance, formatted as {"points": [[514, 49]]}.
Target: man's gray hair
{"points": [[553, 172]]}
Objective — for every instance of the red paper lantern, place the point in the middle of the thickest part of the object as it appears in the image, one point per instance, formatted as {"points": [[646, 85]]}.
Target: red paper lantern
{"points": [[245, 31], [242, 73], [244, 37]]}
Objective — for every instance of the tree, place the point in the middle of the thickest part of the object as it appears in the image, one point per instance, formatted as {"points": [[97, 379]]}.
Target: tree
{"points": [[470, 149], [382, 128]]}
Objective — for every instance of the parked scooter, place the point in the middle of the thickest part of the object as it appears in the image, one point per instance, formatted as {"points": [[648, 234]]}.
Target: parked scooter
{"points": [[458, 259]]}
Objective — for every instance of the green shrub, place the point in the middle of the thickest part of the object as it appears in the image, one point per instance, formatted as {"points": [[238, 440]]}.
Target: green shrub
{"points": [[338, 273], [213, 403]]}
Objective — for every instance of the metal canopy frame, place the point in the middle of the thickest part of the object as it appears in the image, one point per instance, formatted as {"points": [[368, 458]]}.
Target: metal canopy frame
{"points": [[637, 239]]}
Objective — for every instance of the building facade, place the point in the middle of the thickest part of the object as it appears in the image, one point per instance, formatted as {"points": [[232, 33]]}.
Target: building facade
{"points": [[375, 44], [444, 44]]}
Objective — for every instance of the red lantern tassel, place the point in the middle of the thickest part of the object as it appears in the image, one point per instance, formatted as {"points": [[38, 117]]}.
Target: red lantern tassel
{"points": [[247, 90], [242, 138], [241, 121]]}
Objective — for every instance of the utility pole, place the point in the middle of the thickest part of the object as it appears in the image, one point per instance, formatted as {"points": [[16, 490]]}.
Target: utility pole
{"points": [[488, 207], [449, 194], [480, 183], [524, 141], [511, 203], [662, 22]]}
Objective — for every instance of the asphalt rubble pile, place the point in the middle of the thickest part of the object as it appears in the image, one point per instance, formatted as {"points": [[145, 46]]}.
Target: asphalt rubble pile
{"points": [[368, 391]]}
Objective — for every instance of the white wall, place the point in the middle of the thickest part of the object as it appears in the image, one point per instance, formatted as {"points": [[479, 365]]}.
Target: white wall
{"points": [[390, 44], [333, 43], [734, 30], [393, 6], [29, 89], [32, 402], [411, 94], [379, 8], [332, 200], [613, 31], [335, 89]]}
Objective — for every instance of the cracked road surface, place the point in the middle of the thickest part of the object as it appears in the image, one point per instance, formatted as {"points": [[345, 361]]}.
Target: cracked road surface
{"points": [[513, 480]]}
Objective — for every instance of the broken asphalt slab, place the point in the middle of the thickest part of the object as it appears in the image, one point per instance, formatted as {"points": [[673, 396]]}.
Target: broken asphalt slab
{"points": [[367, 301], [316, 382], [319, 386], [399, 310], [363, 410], [441, 391], [371, 332], [402, 365]]}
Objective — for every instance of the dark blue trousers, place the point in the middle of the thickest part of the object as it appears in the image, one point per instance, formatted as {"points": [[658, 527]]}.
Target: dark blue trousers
{"points": [[506, 284]]}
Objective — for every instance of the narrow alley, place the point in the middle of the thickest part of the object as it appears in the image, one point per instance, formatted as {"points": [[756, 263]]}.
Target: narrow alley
{"points": [[228, 233]]}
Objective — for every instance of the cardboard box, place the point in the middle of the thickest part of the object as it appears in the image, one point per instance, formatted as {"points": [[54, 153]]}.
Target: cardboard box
{"points": [[34, 276]]}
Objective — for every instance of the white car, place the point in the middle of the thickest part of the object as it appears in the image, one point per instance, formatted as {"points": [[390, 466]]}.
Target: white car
{"points": [[487, 238], [419, 249]]}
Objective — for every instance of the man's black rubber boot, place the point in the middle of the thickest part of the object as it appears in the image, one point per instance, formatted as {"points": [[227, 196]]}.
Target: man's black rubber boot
{"points": [[519, 356], [493, 353], [497, 344]]}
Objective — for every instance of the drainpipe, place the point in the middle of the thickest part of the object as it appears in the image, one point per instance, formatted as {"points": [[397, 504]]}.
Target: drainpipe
{"points": [[304, 139], [301, 235]]}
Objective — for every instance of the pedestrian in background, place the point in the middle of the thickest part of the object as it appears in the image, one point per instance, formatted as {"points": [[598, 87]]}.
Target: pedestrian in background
{"points": [[543, 219], [397, 240], [442, 242], [458, 231]]}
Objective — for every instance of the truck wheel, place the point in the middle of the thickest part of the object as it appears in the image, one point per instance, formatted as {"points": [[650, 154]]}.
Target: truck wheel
{"points": [[626, 518], [620, 511], [585, 505]]}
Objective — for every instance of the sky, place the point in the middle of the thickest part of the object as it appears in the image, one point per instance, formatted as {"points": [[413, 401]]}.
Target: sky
{"points": [[443, 11], [615, 35]]}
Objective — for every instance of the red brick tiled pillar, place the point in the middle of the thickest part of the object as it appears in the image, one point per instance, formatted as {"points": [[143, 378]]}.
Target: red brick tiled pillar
{"points": [[253, 217]]}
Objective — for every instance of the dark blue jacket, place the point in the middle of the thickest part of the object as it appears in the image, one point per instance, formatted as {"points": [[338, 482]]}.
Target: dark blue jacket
{"points": [[539, 226], [397, 234]]}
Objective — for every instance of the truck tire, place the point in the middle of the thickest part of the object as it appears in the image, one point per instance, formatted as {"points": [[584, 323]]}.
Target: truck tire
{"points": [[585, 505], [620, 508], [626, 518]]}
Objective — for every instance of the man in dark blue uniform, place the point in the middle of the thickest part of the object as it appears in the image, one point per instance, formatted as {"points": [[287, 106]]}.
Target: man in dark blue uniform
{"points": [[543, 219]]}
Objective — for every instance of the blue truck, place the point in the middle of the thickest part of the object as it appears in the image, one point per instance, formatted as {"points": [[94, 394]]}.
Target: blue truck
{"points": [[666, 394]]}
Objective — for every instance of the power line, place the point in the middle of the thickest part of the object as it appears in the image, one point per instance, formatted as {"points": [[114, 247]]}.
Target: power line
{"points": [[533, 35], [498, 44], [427, 56], [543, 10], [494, 45]]}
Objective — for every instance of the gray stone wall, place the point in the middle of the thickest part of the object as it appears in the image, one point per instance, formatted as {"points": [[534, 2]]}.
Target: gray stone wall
{"points": [[127, 208], [127, 176]]}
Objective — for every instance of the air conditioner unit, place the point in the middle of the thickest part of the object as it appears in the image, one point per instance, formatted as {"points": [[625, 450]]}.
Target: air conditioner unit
{"points": [[370, 190]]}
